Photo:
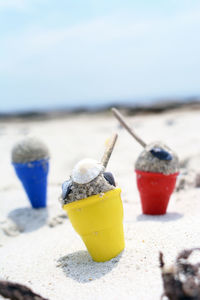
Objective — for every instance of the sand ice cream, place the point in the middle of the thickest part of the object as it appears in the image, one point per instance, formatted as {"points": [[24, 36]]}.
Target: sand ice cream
{"points": [[98, 215], [156, 172], [30, 159]]}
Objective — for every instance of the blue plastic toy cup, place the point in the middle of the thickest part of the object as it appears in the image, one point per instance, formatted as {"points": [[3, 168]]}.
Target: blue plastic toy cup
{"points": [[33, 176]]}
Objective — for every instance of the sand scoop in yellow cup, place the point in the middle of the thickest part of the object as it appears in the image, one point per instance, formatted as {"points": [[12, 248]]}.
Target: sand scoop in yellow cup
{"points": [[97, 212], [98, 220]]}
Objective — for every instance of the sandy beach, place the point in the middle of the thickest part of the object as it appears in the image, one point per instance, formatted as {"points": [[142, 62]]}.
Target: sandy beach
{"points": [[39, 248]]}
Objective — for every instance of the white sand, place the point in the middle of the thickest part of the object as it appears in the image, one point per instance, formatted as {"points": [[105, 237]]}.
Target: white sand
{"points": [[41, 250]]}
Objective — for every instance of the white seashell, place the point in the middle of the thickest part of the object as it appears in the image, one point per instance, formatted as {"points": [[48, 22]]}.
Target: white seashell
{"points": [[86, 170]]}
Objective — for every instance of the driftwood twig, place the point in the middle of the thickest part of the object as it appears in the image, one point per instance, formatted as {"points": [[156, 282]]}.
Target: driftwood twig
{"points": [[15, 291], [109, 150], [120, 118]]}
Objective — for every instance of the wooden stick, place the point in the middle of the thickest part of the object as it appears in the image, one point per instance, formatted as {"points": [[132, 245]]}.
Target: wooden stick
{"points": [[109, 150], [127, 127], [15, 291]]}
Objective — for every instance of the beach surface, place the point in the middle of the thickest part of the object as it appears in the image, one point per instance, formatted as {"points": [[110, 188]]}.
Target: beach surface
{"points": [[40, 249]]}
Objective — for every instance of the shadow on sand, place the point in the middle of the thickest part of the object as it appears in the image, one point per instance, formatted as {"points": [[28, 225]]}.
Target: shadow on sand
{"points": [[168, 217], [80, 266], [28, 219]]}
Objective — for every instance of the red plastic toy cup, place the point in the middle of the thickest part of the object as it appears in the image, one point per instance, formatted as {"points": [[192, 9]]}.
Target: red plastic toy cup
{"points": [[155, 190]]}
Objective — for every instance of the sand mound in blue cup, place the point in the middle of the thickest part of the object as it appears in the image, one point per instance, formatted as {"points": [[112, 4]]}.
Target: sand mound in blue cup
{"points": [[29, 149], [30, 158]]}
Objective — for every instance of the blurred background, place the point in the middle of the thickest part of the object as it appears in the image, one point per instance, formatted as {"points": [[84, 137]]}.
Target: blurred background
{"points": [[57, 55]]}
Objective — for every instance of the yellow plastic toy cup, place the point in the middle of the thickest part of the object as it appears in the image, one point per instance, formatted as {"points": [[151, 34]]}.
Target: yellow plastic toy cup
{"points": [[98, 220]]}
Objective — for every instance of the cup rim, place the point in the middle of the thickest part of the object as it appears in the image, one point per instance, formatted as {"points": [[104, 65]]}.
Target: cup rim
{"points": [[35, 162], [155, 174], [90, 200]]}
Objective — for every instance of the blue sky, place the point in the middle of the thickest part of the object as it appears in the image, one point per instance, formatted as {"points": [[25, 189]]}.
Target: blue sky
{"points": [[71, 53]]}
